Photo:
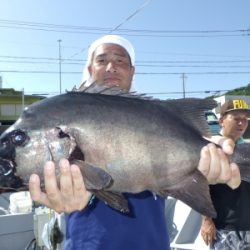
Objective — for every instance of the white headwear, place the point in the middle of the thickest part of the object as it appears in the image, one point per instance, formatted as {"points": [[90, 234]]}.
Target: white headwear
{"points": [[114, 39]]}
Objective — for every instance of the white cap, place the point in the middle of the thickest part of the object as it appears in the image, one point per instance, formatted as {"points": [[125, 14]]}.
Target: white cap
{"points": [[114, 39]]}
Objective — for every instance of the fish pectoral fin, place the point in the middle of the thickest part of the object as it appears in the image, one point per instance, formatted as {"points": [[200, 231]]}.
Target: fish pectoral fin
{"points": [[194, 191], [113, 199], [94, 178]]}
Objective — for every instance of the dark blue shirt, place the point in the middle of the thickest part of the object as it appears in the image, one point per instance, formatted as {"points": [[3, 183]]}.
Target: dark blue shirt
{"points": [[99, 227]]}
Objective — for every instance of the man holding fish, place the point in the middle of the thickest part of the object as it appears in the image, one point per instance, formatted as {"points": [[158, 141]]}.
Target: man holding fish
{"points": [[90, 223], [231, 228]]}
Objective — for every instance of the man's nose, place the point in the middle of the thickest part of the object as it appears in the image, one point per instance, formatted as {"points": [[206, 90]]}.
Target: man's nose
{"points": [[111, 67]]}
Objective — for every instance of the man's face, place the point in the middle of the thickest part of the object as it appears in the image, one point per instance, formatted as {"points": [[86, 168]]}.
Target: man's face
{"points": [[111, 66], [234, 124]]}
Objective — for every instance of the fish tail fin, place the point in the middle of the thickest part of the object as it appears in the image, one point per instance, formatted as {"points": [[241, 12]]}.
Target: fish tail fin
{"points": [[192, 112], [241, 157], [194, 191]]}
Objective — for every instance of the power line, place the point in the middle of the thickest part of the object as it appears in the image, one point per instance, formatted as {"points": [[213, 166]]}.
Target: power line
{"points": [[119, 25], [129, 32], [153, 65], [59, 26], [146, 61], [138, 63], [194, 73], [40, 58], [131, 16], [137, 73], [193, 61], [192, 66]]}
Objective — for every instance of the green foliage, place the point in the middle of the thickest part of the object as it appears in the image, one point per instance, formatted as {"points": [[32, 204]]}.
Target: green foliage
{"points": [[240, 91]]}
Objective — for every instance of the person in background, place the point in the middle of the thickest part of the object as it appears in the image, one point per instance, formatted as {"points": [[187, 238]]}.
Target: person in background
{"points": [[91, 224], [231, 228]]}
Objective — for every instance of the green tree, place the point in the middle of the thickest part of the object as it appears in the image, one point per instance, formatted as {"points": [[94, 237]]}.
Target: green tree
{"points": [[240, 91]]}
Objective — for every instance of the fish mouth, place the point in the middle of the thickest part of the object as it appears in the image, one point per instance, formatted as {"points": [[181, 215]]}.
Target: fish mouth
{"points": [[8, 143], [8, 179]]}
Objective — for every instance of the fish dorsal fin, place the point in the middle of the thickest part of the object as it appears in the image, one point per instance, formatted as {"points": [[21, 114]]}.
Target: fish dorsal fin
{"points": [[192, 112], [103, 89]]}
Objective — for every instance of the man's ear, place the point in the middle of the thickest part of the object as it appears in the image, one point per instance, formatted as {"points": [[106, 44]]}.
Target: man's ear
{"points": [[221, 120], [133, 70], [90, 70]]}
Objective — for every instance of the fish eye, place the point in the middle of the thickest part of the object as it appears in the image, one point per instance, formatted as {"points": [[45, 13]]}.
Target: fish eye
{"points": [[19, 137]]}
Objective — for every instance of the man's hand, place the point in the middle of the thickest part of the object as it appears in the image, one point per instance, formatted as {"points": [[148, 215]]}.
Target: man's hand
{"points": [[215, 165], [64, 195], [208, 230]]}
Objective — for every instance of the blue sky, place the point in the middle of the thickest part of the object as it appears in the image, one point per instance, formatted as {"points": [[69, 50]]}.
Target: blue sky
{"points": [[208, 41]]}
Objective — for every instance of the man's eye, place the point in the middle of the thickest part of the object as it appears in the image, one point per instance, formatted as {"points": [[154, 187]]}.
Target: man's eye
{"points": [[19, 137], [101, 61], [122, 61]]}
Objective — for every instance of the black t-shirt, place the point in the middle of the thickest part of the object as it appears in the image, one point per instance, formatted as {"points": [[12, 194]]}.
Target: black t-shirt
{"points": [[232, 206]]}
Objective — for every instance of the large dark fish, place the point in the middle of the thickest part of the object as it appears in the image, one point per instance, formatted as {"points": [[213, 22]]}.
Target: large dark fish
{"points": [[122, 143]]}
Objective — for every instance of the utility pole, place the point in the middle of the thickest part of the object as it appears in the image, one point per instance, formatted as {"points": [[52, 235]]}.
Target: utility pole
{"points": [[23, 104], [60, 66], [183, 85]]}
